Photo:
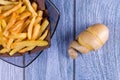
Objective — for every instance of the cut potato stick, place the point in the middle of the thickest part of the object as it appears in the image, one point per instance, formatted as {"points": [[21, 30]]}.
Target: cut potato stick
{"points": [[20, 45], [10, 41], [4, 50], [44, 25], [18, 40], [3, 24], [30, 8], [27, 49], [6, 7], [30, 43], [40, 13], [10, 23], [18, 35], [21, 10], [0, 27], [24, 15], [4, 2], [36, 31], [44, 35], [16, 28], [38, 20], [2, 40], [11, 10], [30, 27], [24, 28], [34, 5]]}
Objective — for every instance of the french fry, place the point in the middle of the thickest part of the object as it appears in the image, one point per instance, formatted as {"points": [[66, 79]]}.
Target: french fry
{"points": [[38, 20], [30, 27], [4, 50], [10, 41], [6, 7], [10, 23], [21, 10], [4, 2], [2, 40], [44, 25], [11, 10], [17, 40], [34, 5], [0, 27], [44, 35], [40, 13], [36, 32], [18, 36], [27, 49], [24, 15], [30, 43], [20, 45], [12, 0], [30, 8], [24, 28], [3, 24], [17, 27]]}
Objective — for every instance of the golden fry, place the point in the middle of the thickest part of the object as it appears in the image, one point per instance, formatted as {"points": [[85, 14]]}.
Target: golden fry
{"points": [[44, 35], [36, 31], [0, 27], [18, 40], [21, 10], [6, 7], [4, 2], [18, 36], [17, 27], [40, 13], [44, 25], [3, 23], [25, 25], [24, 15], [27, 49], [30, 27], [11, 10], [4, 50], [30, 8], [10, 41], [10, 23], [38, 20], [20, 45], [34, 5], [2, 40]]}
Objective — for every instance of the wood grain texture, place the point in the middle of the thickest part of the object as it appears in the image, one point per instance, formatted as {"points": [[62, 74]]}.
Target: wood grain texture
{"points": [[54, 63], [10, 72], [104, 63]]}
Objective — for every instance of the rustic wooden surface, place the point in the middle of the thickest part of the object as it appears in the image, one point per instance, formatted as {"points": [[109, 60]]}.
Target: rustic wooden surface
{"points": [[55, 64], [103, 64]]}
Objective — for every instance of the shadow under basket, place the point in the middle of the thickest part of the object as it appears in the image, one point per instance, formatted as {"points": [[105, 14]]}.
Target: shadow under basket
{"points": [[24, 60]]}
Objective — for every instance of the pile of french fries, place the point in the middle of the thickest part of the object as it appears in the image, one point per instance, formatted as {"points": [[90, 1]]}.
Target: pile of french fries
{"points": [[22, 26]]}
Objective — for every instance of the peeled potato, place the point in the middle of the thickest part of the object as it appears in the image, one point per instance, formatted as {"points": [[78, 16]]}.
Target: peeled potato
{"points": [[92, 38]]}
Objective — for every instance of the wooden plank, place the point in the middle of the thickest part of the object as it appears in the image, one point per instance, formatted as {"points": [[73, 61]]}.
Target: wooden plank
{"points": [[54, 63], [10, 72], [104, 63]]}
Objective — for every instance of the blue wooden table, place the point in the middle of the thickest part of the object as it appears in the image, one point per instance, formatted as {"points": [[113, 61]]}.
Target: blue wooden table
{"points": [[55, 64]]}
